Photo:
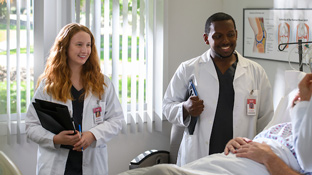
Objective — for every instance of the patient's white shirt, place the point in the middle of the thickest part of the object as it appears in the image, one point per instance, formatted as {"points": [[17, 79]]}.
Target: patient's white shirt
{"points": [[281, 139], [302, 128]]}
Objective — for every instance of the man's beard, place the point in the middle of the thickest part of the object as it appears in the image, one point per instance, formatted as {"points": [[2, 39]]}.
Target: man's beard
{"points": [[222, 57]]}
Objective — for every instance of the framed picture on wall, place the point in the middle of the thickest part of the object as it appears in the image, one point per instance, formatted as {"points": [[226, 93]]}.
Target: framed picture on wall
{"points": [[264, 29]]}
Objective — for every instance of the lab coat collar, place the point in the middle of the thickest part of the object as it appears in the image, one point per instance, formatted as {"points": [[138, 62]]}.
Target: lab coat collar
{"points": [[205, 58], [88, 98], [240, 69]]}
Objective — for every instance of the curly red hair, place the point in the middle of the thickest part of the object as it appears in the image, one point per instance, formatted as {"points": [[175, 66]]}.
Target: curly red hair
{"points": [[57, 72]]}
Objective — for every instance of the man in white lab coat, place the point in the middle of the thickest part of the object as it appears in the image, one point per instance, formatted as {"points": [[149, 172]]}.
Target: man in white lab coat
{"points": [[226, 85]]}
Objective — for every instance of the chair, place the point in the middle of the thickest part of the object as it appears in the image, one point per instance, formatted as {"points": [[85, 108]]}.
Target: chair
{"points": [[153, 157], [149, 158], [7, 167]]}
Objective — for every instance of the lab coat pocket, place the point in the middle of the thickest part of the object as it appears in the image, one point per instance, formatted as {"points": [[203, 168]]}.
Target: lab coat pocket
{"points": [[95, 161], [95, 146], [101, 146], [189, 148], [255, 92], [103, 105]]}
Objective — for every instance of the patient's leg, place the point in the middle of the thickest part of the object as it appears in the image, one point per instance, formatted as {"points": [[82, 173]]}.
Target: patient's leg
{"points": [[215, 164], [163, 169], [230, 164]]}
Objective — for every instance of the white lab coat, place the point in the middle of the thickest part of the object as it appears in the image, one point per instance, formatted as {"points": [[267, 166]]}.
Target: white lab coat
{"points": [[51, 159], [248, 76]]}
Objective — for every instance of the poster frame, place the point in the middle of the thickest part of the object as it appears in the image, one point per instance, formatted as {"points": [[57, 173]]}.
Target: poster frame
{"points": [[272, 19]]}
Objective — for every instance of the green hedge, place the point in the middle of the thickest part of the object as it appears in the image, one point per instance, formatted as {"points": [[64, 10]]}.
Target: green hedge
{"points": [[3, 97]]}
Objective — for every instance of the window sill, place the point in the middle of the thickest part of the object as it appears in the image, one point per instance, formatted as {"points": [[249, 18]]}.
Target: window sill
{"points": [[4, 130]]}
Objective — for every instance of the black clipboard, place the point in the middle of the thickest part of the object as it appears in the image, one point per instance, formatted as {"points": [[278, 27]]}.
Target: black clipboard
{"points": [[54, 117], [192, 92]]}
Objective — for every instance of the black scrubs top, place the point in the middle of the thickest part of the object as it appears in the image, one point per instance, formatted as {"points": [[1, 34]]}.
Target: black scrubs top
{"points": [[222, 129], [74, 160]]}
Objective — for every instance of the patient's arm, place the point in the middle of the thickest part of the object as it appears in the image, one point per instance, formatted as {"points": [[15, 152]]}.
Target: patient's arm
{"points": [[305, 88], [234, 144], [302, 124], [262, 153]]}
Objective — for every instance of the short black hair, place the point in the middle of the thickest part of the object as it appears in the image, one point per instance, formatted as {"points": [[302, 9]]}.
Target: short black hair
{"points": [[220, 16]]}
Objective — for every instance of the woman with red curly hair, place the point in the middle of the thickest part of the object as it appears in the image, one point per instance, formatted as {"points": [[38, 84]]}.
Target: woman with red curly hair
{"points": [[73, 77]]}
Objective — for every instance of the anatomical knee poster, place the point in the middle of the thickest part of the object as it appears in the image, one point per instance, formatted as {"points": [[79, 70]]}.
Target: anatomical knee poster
{"points": [[265, 29]]}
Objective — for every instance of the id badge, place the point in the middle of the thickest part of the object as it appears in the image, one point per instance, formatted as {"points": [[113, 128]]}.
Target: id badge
{"points": [[97, 114], [251, 104]]}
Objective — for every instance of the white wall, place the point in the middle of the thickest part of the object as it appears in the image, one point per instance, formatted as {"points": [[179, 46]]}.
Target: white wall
{"points": [[184, 27], [125, 147]]}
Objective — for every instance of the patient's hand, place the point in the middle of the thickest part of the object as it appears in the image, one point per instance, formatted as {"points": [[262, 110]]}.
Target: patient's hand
{"points": [[305, 88], [296, 100], [259, 152], [235, 143], [262, 153]]}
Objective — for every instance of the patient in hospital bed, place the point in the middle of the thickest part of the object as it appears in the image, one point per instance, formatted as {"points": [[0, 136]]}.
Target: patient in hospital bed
{"points": [[284, 148]]}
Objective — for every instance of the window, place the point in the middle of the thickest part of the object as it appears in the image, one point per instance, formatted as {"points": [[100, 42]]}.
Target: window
{"points": [[128, 36], [16, 61]]}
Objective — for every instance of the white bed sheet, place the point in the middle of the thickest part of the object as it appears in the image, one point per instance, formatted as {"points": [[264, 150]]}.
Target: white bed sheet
{"points": [[220, 164], [209, 165]]}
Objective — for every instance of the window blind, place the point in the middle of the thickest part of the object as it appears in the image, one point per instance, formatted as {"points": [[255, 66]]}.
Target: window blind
{"points": [[17, 63], [125, 33], [126, 38]]}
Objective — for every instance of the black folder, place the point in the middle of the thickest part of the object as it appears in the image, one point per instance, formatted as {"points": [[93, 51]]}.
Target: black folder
{"points": [[54, 117], [192, 92]]}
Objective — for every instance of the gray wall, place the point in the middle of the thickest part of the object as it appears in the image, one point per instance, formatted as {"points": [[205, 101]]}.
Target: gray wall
{"points": [[184, 27]]}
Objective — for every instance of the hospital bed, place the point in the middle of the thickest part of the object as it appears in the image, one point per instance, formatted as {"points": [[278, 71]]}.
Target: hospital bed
{"points": [[168, 159]]}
